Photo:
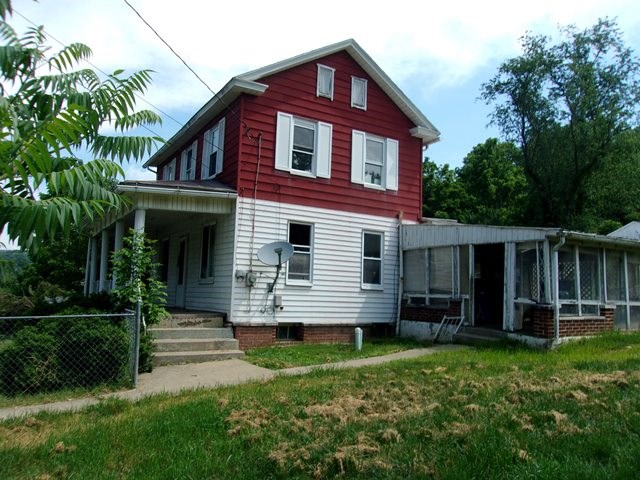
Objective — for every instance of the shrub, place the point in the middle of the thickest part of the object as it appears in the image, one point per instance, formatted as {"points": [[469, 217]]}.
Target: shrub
{"points": [[60, 353], [29, 363]]}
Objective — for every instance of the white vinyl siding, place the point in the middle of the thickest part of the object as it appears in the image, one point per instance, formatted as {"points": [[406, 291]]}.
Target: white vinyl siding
{"points": [[201, 295], [374, 161], [325, 81], [336, 296], [303, 147], [169, 170], [188, 162], [359, 93], [213, 151]]}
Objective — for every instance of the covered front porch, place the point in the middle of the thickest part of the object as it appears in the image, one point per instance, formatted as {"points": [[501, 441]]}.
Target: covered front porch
{"points": [[540, 283], [192, 223]]}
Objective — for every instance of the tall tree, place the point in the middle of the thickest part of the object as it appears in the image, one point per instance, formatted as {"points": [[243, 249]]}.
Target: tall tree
{"points": [[495, 183], [50, 110], [564, 104]]}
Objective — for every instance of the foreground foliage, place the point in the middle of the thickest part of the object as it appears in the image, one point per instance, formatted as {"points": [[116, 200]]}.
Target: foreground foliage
{"points": [[51, 108], [501, 412]]}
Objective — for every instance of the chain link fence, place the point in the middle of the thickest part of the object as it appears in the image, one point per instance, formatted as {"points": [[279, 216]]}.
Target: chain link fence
{"points": [[41, 354]]}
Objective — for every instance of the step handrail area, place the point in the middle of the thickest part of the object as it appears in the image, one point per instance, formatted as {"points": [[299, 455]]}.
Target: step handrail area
{"points": [[449, 326]]}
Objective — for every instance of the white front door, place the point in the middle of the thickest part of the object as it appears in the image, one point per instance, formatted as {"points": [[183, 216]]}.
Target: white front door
{"points": [[181, 283]]}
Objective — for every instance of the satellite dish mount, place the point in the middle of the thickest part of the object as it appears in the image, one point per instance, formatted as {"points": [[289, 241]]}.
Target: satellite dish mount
{"points": [[276, 254]]}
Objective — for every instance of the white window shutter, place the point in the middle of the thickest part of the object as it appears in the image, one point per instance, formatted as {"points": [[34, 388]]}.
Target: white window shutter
{"points": [[392, 165], [220, 146], [323, 165], [284, 133], [357, 156]]}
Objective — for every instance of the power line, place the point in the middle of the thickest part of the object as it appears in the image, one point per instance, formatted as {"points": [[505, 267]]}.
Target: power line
{"points": [[170, 47], [107, 75]]}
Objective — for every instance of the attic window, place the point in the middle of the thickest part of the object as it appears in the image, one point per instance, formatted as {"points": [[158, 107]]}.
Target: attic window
{"points": [[325, 81], [359, 93]]}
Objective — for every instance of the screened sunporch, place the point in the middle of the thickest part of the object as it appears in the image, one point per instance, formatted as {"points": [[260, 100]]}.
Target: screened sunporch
{"points": [[501, 273]]}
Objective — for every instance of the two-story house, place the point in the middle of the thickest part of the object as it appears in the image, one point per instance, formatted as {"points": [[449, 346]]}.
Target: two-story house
{"points": [[321, 150]]}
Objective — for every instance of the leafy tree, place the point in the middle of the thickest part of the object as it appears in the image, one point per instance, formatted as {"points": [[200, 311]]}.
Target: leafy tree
{"points": [[443, 196], [51, 109], [564, 105], [495, 183]]}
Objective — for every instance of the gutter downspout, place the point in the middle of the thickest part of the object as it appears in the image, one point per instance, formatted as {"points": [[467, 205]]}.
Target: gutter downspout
{"points": [[400, 273], [556, 293]]}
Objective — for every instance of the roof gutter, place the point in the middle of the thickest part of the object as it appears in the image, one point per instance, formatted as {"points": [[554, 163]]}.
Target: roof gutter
{"points": [[179, 191]]}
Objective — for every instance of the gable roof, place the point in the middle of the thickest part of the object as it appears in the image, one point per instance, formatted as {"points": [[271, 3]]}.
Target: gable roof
{"points": [[631, 231], [249, 83]]}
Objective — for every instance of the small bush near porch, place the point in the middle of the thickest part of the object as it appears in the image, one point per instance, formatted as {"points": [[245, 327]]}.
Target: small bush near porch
{"points": [[499, 412]]}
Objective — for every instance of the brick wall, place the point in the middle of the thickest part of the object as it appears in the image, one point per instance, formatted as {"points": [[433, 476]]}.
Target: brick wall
{"points": [[251, 337], [331, 333], [571, 326], [257, 336], [428, 313]]}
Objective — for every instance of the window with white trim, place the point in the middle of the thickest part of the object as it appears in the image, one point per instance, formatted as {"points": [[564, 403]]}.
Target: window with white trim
{"points": [[374, 161], [213, 151], [207, 252], [372, 248], [303, 147], [299, 267], [169, 170], [188, 162], [359, 93], [325, 81]]}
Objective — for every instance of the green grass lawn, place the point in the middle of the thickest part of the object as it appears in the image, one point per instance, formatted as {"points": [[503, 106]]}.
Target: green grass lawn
{"points": [[498, 412], [304, 354]]}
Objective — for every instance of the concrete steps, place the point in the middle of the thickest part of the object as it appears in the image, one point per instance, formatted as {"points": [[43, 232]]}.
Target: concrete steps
{"points": [[478, 336], [176, 358], [194, 337]]}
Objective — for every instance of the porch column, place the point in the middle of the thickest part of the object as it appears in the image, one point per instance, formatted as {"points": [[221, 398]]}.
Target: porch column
{"points": [[139, 220], [509, 286], [117, 246], [556, 293], [94, 264], [87, 269], [104, 260]]}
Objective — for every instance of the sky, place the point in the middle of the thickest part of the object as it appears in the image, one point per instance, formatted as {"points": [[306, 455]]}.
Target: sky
{"points": [[438, 53]]}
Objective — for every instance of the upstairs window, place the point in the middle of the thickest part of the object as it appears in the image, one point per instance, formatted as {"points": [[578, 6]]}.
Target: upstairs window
{"points": [[372, 244], [206, 258], [213, 151], [374, 161], [299, 266], [188, 162], [169, 170], [303, 147], [359, 93], [325, 81]]}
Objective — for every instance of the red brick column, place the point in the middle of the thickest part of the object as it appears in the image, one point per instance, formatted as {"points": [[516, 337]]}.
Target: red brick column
{"points": [[543, 320], [251, 337]]}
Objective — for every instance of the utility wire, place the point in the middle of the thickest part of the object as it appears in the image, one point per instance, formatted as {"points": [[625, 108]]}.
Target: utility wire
{"points": [[49, 35], [170, 47]]}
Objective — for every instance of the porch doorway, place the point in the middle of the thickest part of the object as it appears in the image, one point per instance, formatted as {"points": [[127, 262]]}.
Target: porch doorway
{"points": [[181, 277], [488, 285]]}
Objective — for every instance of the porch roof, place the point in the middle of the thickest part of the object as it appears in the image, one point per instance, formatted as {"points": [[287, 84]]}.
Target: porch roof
{"points": [[198, 188], [445, 234]]}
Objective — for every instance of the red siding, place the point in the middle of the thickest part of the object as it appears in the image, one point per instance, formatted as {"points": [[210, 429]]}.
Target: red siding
{"points": [[229, 173], [294, 91]]}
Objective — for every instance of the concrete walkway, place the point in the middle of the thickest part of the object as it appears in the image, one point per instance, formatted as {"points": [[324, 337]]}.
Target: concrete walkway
{"points": [[175, 378]]}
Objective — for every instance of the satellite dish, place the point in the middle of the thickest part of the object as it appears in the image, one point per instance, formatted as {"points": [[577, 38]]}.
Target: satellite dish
{"points": [[275, 253]]}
